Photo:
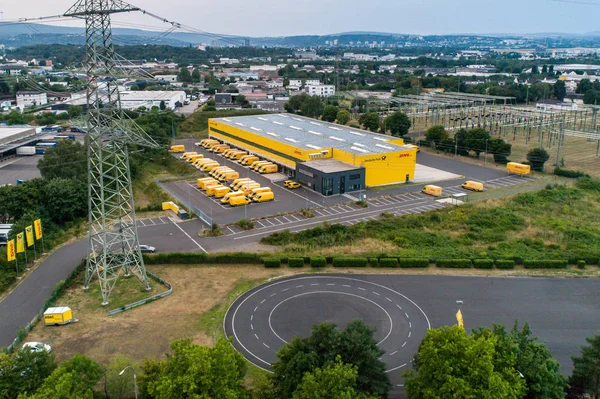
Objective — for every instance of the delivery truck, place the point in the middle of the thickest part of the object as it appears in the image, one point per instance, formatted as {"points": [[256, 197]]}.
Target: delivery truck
{"points": [[472, 185], [26, 150]]}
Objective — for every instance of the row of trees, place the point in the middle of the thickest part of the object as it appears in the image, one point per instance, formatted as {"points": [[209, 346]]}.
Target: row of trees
{"points": [[331, 363]]}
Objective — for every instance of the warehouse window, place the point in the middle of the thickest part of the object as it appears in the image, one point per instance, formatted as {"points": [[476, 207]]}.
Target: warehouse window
{"points": [[354, 177]]}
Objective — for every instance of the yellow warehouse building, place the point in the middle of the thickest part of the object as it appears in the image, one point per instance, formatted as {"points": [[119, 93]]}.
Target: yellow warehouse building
{"points": [[329, 158]]}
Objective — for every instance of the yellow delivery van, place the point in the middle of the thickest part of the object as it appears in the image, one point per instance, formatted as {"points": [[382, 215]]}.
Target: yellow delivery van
{"points": [[271, 168], [188, 154], [230, 195], [472, 185], [432, 190], [210, 190], [264, 197], [220, 192], [194, 158], [177, 148], [201, 182], [518, 168], [207, 167], [248, 159], [229, 176], [237, 184], [239, 200]]}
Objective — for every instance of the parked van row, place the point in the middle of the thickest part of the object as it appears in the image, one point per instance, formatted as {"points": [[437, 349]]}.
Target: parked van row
{"points": [[239, 155], [436, 191], [241, 191]]}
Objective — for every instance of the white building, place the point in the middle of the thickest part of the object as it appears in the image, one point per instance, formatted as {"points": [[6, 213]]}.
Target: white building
{"points": [[270, 68], [321, 90], [312, 82], [295, 84], [149, 99], [167, 78], [27, 99]]}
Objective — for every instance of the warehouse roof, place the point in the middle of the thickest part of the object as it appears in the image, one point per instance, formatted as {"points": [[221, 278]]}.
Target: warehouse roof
{"points": [[313, 134], [330, 165]]}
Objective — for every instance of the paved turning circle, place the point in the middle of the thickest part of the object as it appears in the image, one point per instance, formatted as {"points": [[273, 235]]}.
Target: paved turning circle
{"points": [[263, 319]]}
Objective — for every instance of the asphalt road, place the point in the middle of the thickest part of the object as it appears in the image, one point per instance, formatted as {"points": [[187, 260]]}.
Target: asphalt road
{"points": [[561, 312], [22, 167]]}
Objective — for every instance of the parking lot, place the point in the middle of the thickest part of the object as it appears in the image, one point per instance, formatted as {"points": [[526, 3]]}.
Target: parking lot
{"points": [[21, 167]]}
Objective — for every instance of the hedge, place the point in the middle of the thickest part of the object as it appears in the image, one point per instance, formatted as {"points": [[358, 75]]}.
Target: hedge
{"points": [[545, 263], [505, 264], [318, 261], [373, 262], [388, 262], [413, 262], [581, 264], [296, 262], [483, 263], [575, 174], [202, 258], [454, 263], [272, 262], [350, 262]]}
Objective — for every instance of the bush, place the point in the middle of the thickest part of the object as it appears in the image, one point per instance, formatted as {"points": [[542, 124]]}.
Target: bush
{"points": [[574, 174], [581, 264], [245, 224], [272, 262], [545, 263], [296, 262], [388, 262], [318, 261], [505, 264], [361, 204], [454, 263], [350, 262], [373, 262], [413, 262], [202, 258], [483, 263]]}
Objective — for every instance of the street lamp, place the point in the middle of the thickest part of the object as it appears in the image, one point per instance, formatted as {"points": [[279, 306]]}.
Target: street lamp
{"points": [[134, 379]]}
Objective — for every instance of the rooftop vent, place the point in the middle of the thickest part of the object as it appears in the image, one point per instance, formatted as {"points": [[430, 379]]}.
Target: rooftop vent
{"points": [[291, 139], [384, 146], [273, 134], [359, 149], [295, 127], [315, 133], [255, 128], [314, 147], [336, 138]]}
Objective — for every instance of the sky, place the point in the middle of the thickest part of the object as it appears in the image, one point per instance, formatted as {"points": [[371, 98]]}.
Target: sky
{"points": [[317, 17]]}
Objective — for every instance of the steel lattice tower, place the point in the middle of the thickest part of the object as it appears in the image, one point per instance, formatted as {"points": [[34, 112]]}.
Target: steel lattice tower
{"points": [[113, 240]]}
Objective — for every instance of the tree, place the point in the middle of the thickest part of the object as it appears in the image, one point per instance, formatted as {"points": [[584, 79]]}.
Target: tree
{"points": [[74, 111], [196, 76], [370, 121], [195, 371], [67, 160], [535, 70], [15, 118], [295, 102], [551, 70], [537, 157], [592, 97], [119, 386], [436, 134], [25, 371], [333, 381], [397, 123], [73, 379], [354, 345], [501, 150], [343, 116], [476, 140], [312, 107], [584, 86], [530, 358], [452, 364], [560, 90], [330, 113], [184, 75], [65, 199], [162, 105], [586, 368]]}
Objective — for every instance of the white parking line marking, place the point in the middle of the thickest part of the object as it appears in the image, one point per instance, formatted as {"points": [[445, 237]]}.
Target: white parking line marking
{"points": [[406, 315], [376, 293], [345, 285], [400, 307], [229, 228], [403, 344], [142, 222], [315, 284], [273, 294], [258, 221], [251, 317], [287, 219], [263, 301], [410, 332], [295, 217], [300, 286], [409, 324], [388, 299], [188, 236], [393, 353], [266, 345], [331, 284], [252, 326], [362, 289], [152, 221], [284, 290], [255, 308], [256, 336]]}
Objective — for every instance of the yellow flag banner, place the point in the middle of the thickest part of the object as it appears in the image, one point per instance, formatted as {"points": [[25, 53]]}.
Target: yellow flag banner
{"points": [[459, 318], [29, 235], [37, 225], [20, 243], [10, 251]]}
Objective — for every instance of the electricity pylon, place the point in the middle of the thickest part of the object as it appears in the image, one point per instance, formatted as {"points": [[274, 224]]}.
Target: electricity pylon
{"points": [[113, 240]]}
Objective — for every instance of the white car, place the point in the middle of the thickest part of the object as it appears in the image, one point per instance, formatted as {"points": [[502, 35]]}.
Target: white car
{"points": [[147, 248], [36, 347]]}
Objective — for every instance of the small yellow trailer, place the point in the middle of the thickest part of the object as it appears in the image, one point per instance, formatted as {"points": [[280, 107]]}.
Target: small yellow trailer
{"points": [[58, 316]]}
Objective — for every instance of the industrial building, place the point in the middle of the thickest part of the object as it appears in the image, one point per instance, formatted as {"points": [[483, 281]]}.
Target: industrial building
{"points": [[329, 158], [133, 99]]}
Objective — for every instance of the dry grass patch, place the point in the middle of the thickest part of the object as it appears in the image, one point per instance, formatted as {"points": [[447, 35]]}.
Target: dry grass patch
{"points": [[147, 331], [359, 247]]}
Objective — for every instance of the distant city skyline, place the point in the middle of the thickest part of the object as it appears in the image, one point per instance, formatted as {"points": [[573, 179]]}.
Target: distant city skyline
{"points": [[317, 17]]}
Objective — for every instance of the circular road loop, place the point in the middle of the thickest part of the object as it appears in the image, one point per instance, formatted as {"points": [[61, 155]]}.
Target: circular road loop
{"points": [[263, 319]]}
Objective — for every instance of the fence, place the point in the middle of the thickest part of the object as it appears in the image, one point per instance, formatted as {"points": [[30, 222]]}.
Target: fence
{"points": [[147, 300], [201, 215]]}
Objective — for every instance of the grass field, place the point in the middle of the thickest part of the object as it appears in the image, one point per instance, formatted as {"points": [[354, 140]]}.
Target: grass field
{"points": [[555, 222]]}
